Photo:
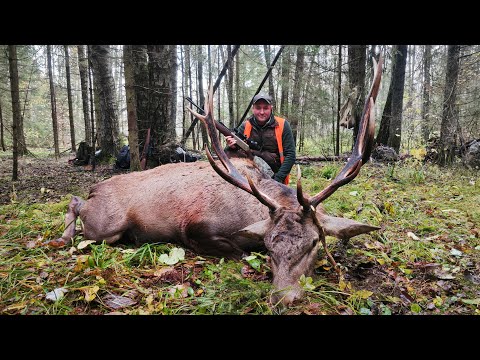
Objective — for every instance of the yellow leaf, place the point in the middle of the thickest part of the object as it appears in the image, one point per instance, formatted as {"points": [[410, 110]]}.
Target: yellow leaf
{"points": [[149, 299], [90, 292], [363, 294], [418, 154], [380, 261], [344, 285], [389, 207]]}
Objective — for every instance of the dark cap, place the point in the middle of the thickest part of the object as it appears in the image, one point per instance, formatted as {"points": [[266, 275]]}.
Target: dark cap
{"points": [[261, 96]]}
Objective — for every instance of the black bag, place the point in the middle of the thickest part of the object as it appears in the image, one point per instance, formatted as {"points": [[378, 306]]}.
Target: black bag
{"points": [[83, 154], [123, 158]]}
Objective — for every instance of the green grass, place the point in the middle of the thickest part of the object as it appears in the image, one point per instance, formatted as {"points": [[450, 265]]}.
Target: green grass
{"points": [[417, 262]]}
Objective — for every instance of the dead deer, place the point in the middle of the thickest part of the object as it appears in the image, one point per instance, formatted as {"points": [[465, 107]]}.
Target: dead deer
{"points": [[190, 205]]}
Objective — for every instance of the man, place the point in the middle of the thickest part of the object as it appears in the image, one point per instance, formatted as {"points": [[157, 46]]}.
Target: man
{"points": [[273, 135]]}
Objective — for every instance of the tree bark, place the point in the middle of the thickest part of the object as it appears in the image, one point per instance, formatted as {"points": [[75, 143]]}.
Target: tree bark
{"points": [[53, 102], [285, 82], [384, 128], [92, 106], [297, 85], [426, 87], [395, 132], [231, 118], [83, 68], [131, 108], [271, 90], [448, 130], [201, 93], [2, 139], [69, 97], [356, 75], [104, 83], [14, 89], [140, 75], [188, 80], [339, 98], [163, 90]]}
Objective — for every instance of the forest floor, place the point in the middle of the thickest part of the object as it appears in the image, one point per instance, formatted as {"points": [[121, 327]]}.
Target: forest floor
{"points": [[425, 259]]}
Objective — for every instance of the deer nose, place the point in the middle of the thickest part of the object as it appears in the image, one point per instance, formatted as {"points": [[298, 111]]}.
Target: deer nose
{"points": [[286, 297]]}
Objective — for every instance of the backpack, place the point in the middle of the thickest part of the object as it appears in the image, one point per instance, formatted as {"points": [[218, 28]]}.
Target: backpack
{"points": [[83, 154], [123, 158]]}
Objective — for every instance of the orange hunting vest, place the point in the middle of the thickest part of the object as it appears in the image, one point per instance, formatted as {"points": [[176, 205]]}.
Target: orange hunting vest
{"points": [[278, 134]]}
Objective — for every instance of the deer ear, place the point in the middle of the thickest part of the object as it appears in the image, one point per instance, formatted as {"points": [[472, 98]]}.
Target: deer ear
{"points": [[343, 228], [255, 231]]}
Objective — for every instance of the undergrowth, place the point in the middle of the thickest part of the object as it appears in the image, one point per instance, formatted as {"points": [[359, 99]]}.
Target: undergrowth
{"points": [[423, 260]]}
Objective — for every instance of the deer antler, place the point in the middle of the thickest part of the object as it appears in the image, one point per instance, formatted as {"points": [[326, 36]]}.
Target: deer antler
{"points": [[232, 175], [362, 148]]}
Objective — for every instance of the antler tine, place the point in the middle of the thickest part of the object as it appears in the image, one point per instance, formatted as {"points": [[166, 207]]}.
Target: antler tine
{"points": [[232, 175], [301, 199], [363, 144]]}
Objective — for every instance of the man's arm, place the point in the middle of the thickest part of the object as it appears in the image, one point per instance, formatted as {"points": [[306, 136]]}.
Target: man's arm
{"points": [[288, 151]]}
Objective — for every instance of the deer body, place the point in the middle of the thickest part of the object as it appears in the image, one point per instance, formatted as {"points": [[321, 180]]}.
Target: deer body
{"points": [[184, 203]]}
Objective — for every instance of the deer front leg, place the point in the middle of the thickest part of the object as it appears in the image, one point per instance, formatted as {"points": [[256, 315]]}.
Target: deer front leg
{"points": [[70, 221]]}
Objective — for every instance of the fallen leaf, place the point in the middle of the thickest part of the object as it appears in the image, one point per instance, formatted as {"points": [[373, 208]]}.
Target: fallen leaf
{"points": [[56, 294], [90, 292], [83, 244], [117, 301], [362, 294], [443, 274], [163, 270], [412, 235], [471, 301], [456, 252], [31, 244]]}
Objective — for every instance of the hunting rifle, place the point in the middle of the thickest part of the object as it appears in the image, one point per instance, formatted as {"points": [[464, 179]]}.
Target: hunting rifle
{"points": [[242, 141]]}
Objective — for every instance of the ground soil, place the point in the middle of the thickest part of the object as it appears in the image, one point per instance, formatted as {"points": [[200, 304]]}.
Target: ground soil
{"points": [[43, 180]]}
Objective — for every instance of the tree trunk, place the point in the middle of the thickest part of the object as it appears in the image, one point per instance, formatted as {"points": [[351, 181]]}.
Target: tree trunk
{"points": [[220, 60], [285, 82], [53, 102], [69, 97], [162, 66], [83, 68], [356, 75], [2, 140], [427, 61], [339, 98], [14, 89], [231, 117], [237, 88], [120, 96], [131, 108], [395, 132], [104, 83], [200, 89], [188, 80], [297, 85], [384, 129], [271, 90], [448, 130], [140, 75], [92, 106]]}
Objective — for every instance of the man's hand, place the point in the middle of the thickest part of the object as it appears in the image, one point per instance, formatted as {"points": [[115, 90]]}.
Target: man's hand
{"points": [[231, 142]]}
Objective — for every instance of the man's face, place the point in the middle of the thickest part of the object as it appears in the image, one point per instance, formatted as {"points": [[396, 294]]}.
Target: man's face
{"points": [[262, 111]]}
